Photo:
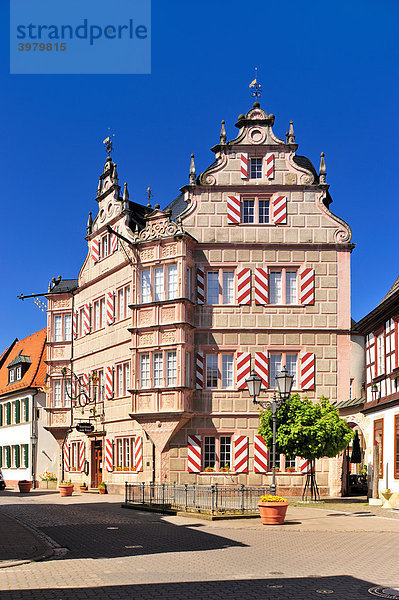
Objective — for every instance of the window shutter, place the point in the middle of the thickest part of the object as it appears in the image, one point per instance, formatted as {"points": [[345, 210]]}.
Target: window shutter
{"points": [[81, 456], [200, 286], [199, 377], [114, 241], [306, 279], [8, 413], [110, 307], [26, 455], [138, 452], [270, 165], [260, 455], [244, 165], [26, 402], [307, 371], [262, 367], [17, 457], [243, 369], [261, 286], [241, 454], [75, 325], [66, 457], [108, 383], [1, 456], [244, 286], [95, 250], [194, 459], [17, 411], [1, 415], [233, 209], [8, 457], [109, 455], [279, 209]]}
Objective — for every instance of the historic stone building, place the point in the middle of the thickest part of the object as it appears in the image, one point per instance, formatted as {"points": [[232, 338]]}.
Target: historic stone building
{"points": [[247, 268]]}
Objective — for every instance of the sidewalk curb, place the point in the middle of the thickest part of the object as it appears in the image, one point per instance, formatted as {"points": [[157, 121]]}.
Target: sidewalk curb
{"points": [[52, 545]]}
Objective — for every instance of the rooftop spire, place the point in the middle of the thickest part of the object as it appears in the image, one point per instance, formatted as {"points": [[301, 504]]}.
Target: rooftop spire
{"points": [[223, 136], [322, 169], [192, 170], [89, 224], [290, 133], [125, 193]]}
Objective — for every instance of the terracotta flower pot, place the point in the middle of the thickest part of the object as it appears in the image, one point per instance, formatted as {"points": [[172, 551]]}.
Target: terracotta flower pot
{"points": [[25, 486], [66, 490], [272, 513], [102, 490]]}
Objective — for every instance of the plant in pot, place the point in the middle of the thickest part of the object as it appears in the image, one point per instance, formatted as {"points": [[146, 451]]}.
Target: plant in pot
{"points": [[102, 488], [25, 486], [66, 488], [290, 469], [83, 486], [272, 509], [48, 480], [209, 469]]}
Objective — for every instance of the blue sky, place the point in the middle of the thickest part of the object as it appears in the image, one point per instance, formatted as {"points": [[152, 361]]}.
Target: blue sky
{"points": [[330, 66]]}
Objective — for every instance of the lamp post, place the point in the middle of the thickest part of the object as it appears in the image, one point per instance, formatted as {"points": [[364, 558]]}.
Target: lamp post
{"points": [[284, 385]]}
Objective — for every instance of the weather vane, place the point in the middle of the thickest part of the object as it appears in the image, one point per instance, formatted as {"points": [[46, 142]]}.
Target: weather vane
{"points": [[256, 87], [108, 142]]}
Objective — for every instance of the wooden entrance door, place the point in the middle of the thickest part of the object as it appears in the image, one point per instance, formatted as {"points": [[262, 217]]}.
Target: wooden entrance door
{"points": [[97, 463]]}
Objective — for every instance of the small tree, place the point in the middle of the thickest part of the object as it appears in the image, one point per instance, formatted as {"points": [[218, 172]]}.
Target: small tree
{"points": [[307, 429]]}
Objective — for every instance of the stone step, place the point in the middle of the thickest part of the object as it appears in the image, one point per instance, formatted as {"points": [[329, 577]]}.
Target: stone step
{"points": [[91, 491]]}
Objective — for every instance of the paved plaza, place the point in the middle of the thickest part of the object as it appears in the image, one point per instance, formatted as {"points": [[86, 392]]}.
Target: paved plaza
{"points": [[100, 550]]}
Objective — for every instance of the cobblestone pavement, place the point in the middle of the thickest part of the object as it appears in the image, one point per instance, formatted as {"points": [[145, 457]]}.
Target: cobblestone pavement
{"points": [[114, 553]]}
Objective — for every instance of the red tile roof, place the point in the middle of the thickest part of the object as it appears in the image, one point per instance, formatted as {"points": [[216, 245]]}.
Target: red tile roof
{"points": [[33, 346]]}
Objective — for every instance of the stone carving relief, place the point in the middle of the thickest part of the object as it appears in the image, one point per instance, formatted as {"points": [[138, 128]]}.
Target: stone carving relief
{"points": [[147, 254], [168, 337], [170, 250], [290, 179], [158, 228], [61, 304], [59, 418], [146, 339], [307, 179], [145, 317], [168, 314]]}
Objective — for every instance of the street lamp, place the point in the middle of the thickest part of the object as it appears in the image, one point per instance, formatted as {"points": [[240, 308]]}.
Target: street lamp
{"points": [[284, 383]]}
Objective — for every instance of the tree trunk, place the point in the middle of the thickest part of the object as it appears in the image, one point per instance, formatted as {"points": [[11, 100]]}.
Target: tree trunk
{"points": [[376, 469]]}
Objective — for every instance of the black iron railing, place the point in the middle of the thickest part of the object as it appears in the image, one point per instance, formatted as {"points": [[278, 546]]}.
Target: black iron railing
{"points": [[210, 499]]}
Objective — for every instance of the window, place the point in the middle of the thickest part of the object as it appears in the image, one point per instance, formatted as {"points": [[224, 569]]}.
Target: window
{"points": [[290, 463], [16, 456], [25, 410], [380, 367], [11, 375], [217, 453], [283, 287], [18, 373], [171, 368], [145, 286], [211, 370], [220, 287], [105, 245], [74, 456], [172, 282], [159, 286], [256, 168], [188, 369], [396, 459], [58, 328], [61, 393], [67, 327], [219, 370], [277, 361], [189, 274], [145, 370], [81, 322], [379, 440], [123, 296], [99, 314], [158, 369], [123, 379], [255, 209], [125, 455]]}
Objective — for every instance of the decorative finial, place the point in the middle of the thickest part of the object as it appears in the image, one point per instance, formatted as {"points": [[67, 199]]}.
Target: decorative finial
{"points": [[100, 185], [256, 87], [89, 224], [192, 170], [223, 136], [149, 196], [108, 142], [322, 169], [115, 173], [290, 133], [125, 193]]}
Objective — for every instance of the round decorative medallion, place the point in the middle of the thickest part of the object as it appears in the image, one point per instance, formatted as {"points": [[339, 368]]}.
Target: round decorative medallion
{"points": [[256, 135], [102, 215]]}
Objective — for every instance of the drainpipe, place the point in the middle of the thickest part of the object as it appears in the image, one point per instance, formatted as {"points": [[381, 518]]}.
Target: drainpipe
{"points": [[153, 457], [34, 439]]}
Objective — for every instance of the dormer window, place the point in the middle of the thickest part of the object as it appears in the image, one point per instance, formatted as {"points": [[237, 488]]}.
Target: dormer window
{"points": [[256, 168], [11, 375], [18, 367]]}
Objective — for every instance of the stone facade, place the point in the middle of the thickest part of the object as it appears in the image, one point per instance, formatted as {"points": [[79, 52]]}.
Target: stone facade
{"points": [[172, 358]]}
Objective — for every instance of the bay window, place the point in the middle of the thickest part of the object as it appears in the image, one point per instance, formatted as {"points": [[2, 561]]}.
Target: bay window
{"points": [[171, 368], [63, 327], [145, 370], [158, 369], [159, 284]]}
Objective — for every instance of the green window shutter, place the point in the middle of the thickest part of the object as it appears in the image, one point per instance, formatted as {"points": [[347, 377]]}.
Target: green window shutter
{"points": [[1, 415], [26, 401], [8, 457], [26, 455], [17, 411], [8, 413], [1, 456], [17, 457]]}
